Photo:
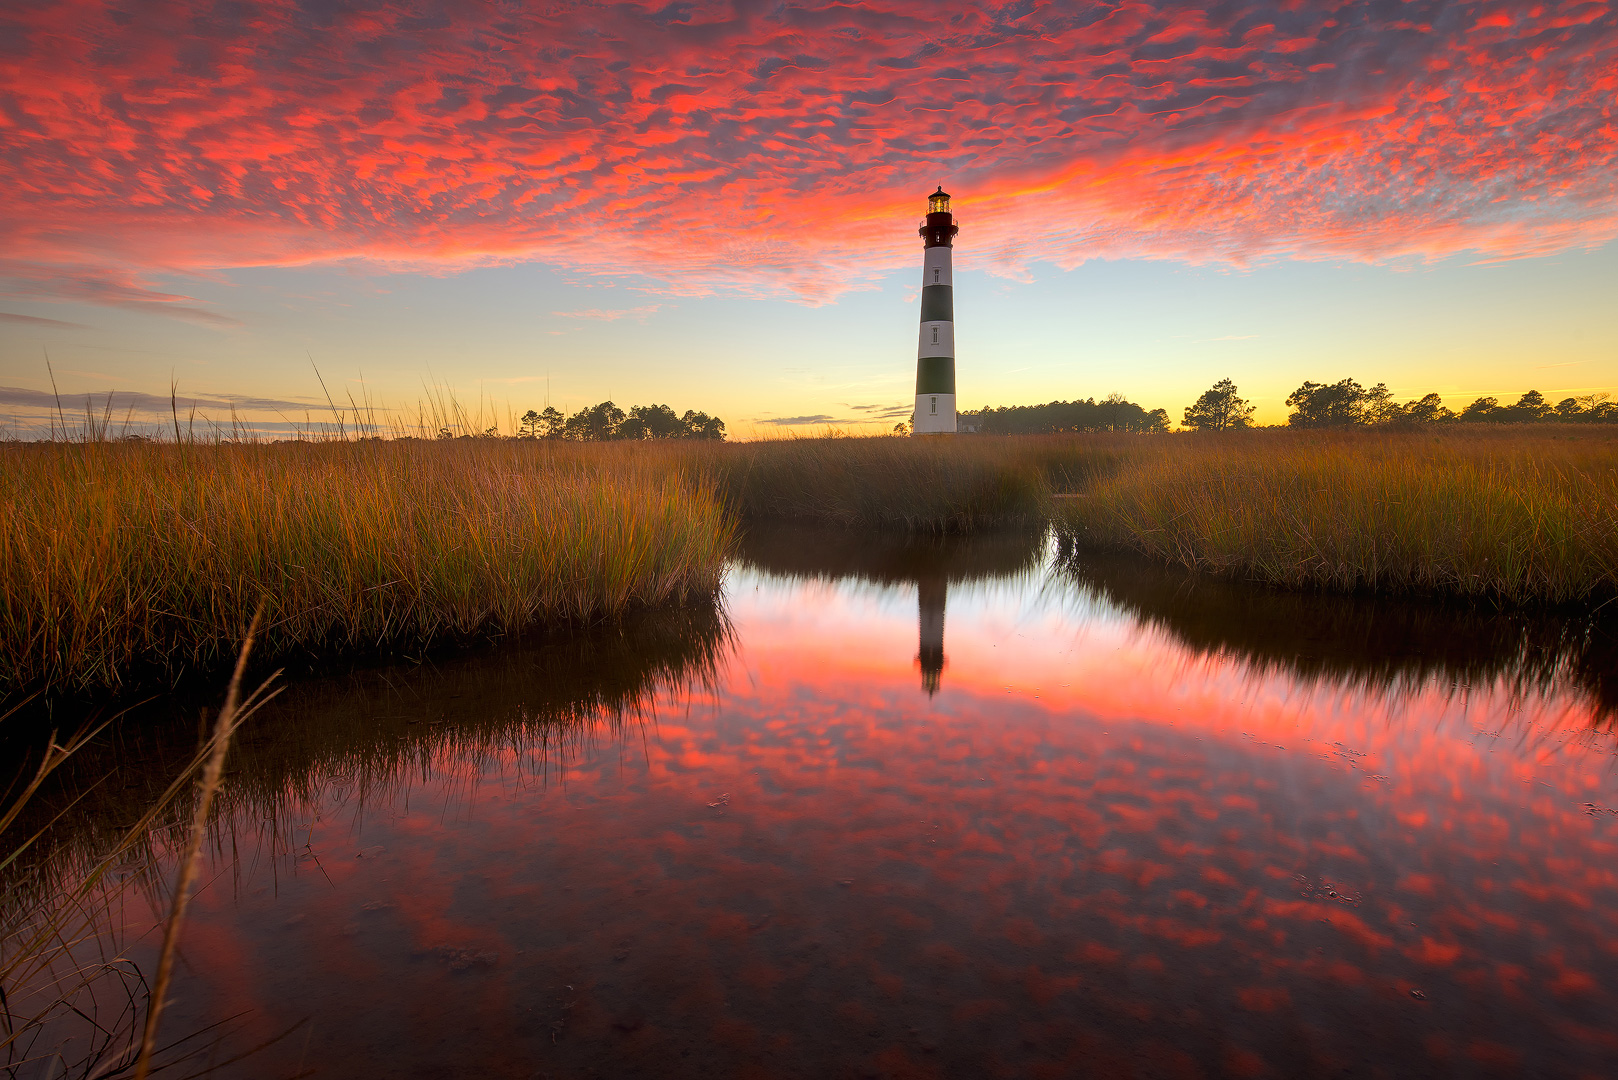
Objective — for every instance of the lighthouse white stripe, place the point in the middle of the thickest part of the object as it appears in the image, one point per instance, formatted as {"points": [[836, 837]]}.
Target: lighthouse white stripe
{"points": [[935, 414], [941, 343], [937, 259]]}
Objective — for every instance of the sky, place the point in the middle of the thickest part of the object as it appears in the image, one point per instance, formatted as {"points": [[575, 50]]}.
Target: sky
{"points": [[714, 205]]}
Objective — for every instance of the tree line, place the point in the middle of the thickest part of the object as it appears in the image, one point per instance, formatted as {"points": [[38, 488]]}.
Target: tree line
{"points": [[1348, 404], [606, 421], [1112, 413]]}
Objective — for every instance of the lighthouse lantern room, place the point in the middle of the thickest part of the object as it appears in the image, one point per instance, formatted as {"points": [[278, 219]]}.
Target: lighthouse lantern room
{"points": [[935, 357]]}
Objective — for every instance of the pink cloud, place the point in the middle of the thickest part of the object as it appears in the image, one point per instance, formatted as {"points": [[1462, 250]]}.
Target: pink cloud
{"points": [[784, 150], [639, 314]]}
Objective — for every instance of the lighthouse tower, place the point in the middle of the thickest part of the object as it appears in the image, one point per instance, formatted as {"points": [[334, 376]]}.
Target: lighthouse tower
{"points": [[935, 358]]}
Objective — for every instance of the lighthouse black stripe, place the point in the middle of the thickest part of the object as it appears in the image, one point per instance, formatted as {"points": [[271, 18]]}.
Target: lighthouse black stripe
{"points": [[938, 303], [935, 375]]}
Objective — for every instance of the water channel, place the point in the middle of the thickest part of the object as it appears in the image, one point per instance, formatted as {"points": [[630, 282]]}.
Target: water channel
{"points": [[910, 808]]}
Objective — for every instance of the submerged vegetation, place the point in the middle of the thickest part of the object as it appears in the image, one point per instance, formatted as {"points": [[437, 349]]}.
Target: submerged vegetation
{"points": [[130, 563]]}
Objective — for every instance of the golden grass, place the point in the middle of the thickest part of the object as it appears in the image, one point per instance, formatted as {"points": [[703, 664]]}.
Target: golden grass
{"points": [[920, 485], [118, 559], [1520, 516], [126, 563]]}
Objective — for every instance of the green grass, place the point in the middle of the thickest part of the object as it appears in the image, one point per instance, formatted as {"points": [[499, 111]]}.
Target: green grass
{"points": [[122, 563], [1510, 514]]}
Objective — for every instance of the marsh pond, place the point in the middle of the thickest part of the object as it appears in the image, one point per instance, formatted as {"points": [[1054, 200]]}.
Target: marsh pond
{"points": [[905, 808]]}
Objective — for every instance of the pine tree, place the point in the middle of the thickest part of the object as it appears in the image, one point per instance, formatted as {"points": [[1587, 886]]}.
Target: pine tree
{"points": [[1219, 409]]}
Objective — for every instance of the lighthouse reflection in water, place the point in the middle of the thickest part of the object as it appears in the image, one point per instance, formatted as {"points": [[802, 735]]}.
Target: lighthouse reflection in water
{"points": [[931, 593], [931, 564]]}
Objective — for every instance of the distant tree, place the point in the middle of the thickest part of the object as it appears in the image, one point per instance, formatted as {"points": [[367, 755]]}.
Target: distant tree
{"points": [[1484, 408], [1568, 409], [1428, 410], [1219, 408], [552, 423], [1529, 408], [1378, 406], [607, 421], [595, 424], [1340, 404], [1118, 413], [1595, 408], [445, 433], [902, 428], [699, 425], [652, 422], [528, 426], [1112, 414]]}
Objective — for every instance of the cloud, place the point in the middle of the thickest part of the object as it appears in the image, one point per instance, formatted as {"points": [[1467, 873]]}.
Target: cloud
{"points": [[611, 314], [783, 149], [43, 324], [882, 412], [799, 421], [122, 401], [110, 287]]}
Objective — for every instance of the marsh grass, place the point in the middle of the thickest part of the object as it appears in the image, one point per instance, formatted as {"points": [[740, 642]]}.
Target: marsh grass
{"points": [[917, 485], [1511, 515], [127, 564], [124, 562]]}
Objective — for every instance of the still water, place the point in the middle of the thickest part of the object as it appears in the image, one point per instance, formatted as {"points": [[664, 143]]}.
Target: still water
{"points": [[918, 809]]}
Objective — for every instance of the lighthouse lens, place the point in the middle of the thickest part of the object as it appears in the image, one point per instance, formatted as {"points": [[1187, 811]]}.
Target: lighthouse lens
{"points": [[938, 204]]}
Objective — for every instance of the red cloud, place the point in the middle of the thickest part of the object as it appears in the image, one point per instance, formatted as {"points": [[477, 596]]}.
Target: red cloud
{"points": [[784, 149]]}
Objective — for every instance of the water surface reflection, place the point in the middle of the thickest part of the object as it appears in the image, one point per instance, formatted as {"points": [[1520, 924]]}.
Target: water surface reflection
{"points": [[1137, 827]]}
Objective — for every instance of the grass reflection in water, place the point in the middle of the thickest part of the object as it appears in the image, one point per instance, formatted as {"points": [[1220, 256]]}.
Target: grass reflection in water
{"points": [[1385, 645]]}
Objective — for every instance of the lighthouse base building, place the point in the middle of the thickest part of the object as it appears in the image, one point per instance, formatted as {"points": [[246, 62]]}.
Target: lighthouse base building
{"points": [[935, 356]]}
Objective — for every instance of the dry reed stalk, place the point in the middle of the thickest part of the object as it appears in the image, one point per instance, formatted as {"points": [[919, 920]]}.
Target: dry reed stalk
{"points": [[230, 718], [43, 930]]}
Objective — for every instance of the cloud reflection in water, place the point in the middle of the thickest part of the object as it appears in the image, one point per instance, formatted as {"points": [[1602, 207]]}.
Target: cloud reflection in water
{"points": [[1140, 829]]}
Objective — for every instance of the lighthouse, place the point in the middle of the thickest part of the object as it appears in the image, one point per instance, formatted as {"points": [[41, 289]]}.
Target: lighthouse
{"points": [[935, 357]]}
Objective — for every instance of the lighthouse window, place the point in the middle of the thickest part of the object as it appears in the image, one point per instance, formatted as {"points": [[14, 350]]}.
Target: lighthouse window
{"points": [[935, 335], [935, 407], [936, 271]]}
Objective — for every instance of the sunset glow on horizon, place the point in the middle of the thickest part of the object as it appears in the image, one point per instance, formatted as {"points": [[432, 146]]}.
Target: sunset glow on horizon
{"points": [[715, 205]]}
